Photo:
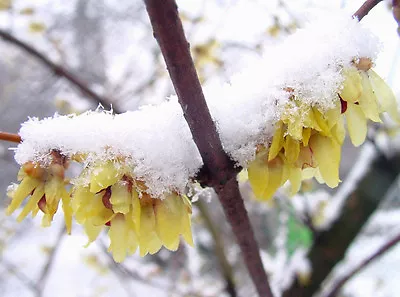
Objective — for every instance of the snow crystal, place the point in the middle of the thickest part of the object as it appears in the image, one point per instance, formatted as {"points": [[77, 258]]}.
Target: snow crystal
{"points": [[157, 140]]}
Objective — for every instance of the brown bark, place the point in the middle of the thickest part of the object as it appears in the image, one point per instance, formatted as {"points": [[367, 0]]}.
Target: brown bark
{"points": [[218, 170]]}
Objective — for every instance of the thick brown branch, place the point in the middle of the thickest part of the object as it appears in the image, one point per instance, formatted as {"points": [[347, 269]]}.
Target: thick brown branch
{"points": [[10, 137], [57, 69], [218, 169], [237, 216], [365, 8], [379, 252]]}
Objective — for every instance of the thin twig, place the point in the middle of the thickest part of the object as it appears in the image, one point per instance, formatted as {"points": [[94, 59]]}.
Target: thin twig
{"points": [[11, 268], [57, 69], [379, 252], [226, 268], [46, 269], [365, 8], [218, 170], [10, 137]]}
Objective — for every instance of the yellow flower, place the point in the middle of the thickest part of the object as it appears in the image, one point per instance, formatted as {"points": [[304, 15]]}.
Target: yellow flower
{"points": [[46, 186], [307, 140], [114, 198], [365, 96]]}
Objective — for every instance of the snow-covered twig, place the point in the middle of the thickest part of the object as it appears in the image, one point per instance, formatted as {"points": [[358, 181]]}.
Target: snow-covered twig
{"points": [[378, 253]]}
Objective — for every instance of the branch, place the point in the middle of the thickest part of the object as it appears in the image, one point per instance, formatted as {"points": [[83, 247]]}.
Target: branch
{"points": [[57, 69], [219, 249], [168, 31], [218, 170], [237, 216], [383, 249], [330, 246], [10, 137], [365, 8], [46, 269], [12, 269]]}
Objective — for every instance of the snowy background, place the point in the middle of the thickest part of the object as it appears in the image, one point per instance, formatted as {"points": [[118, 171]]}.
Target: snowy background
{"points": [[109, 44]]}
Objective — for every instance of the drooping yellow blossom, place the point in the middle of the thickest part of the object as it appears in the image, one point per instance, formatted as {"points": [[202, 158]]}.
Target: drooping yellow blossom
{"points": [[46, 187], [365, 96], [136, 220], [308, 142], [105, 196]]}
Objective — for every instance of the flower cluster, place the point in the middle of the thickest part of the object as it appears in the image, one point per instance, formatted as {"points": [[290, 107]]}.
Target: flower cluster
{"points": [[46, 186], [307, 140], [105, 195]]}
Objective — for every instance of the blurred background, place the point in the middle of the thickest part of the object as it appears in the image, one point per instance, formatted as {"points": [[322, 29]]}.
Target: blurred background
{"points": [[109, 45]]}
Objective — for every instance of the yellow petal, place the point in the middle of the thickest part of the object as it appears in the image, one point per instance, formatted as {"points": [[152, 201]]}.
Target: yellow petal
{"points": [[306, 135], [118, 234], [104, 175], [295, 128], [32, 203], [120, 197], [148, 238], [187, 229], [322, 122], [356, 124], [169, 214], [277, 141], [136, 209], [338, 131], [352, 87], [276, 177], [327, 154], [47, 219], [258, 176], [387, 100], [333, 115], [310, 121], [368, 101], [21, 192], [132, 237], [292, 149], [308, 173], [52, 189], [35, 211], [103, 217], [295, 178], [92, 231], [66, 205]]}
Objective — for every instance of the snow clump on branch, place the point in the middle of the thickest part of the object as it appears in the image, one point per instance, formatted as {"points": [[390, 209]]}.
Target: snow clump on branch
{"points": [[282, 119]]}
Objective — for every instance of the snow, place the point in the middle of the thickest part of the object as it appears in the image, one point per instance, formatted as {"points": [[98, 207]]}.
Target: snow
{"points": [[156, 141]]}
